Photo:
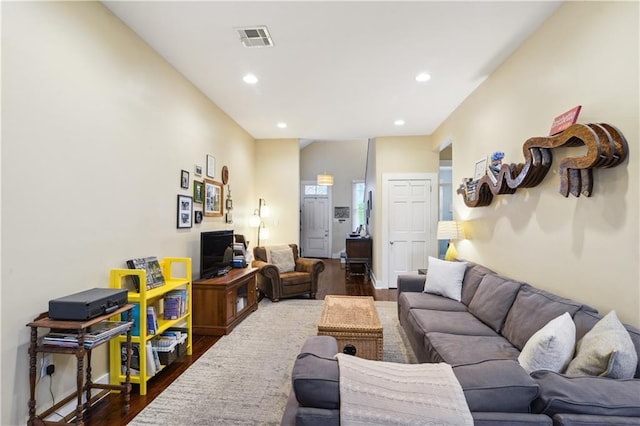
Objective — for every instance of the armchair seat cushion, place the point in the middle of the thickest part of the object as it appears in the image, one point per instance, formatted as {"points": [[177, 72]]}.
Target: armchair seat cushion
{"points": [[294, 278]]}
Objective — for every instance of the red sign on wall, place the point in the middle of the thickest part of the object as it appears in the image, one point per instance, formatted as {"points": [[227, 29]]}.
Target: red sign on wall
{"points": [[565, 120]]}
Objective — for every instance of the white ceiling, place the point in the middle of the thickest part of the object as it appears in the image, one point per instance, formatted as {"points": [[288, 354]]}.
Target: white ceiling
{"points": [[338, 70]]}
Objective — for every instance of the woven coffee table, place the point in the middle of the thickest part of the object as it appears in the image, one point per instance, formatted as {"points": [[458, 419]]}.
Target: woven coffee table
{"points": [[353, 320]]}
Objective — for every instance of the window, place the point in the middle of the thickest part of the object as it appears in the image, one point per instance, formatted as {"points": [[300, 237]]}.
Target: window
{"points": [[315, 190], [359, 205]]}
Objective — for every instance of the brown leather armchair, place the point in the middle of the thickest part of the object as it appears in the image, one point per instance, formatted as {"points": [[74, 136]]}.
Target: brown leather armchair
{"points": [[276, 285]]}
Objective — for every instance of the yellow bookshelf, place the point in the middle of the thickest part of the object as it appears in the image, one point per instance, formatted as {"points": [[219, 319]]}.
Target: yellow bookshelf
{"points": [[179, 280]]}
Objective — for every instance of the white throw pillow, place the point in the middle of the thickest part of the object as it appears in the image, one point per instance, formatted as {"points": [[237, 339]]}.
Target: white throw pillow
{"points": [[551, 347], [606, 350], [445, 278], [283, 258]]}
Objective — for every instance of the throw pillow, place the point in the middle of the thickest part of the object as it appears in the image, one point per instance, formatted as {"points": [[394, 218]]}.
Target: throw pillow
{"points": [[282, 258], [551, 347], [445, 278], [606, 350]]}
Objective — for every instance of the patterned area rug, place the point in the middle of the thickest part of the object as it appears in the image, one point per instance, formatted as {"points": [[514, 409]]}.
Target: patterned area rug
{"points": [[245, 378]]}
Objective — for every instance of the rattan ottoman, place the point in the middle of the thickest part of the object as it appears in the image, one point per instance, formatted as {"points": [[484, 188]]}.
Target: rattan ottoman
{"points": [[353, 320]]}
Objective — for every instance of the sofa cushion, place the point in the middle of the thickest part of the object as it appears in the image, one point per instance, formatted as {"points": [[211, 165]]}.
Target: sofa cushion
{"points": [[448, 322], [493, 299], [472, 279], [282, 257], [551, 347], [445, 278], [606, 350], [510, 419], [591, 420], [586, 395], [316, 376], [585, 320], [458, 349], [431, 301], [496, 385], [532, 309]]}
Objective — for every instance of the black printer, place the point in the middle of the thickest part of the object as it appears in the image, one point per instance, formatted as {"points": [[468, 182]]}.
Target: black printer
{"points": [[87, 304]]}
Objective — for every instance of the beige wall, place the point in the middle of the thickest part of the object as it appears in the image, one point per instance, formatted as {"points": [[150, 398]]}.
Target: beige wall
{"points": [[585, 248], [95, 130], [397, 154], [346, 161], [277, 180]]}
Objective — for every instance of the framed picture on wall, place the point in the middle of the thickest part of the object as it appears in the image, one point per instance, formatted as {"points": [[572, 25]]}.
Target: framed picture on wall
{"points": [[185, 212], [481, 168], [198, 192], [211, 166], [213, 198], [184, 179]]}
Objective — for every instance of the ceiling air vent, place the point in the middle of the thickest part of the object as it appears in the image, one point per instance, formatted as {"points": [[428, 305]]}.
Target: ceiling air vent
{"points": [[255, 37]]}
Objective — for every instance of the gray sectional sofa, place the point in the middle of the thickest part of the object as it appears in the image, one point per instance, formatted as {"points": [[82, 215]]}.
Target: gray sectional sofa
{"points": [[481, 337]]}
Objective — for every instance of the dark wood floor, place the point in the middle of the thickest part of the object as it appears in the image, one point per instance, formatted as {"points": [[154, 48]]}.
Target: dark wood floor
{"points": [[110, 410]]}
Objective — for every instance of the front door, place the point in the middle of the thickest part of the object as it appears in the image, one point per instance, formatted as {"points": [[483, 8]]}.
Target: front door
{"points": [[411, 217], [315, 220]]}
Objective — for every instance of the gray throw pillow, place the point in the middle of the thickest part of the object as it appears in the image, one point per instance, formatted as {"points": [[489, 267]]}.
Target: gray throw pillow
{"points": [[606, 350]]}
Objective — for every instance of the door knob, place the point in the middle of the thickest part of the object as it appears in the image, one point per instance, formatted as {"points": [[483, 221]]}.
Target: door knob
{"points": [[391, 242]]}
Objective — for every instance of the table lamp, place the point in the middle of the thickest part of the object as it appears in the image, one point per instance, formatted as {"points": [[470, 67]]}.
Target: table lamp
{"points": [[450, 230]]}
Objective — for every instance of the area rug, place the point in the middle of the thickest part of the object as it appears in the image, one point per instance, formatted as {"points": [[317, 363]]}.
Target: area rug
{"points": [[245, 378]]}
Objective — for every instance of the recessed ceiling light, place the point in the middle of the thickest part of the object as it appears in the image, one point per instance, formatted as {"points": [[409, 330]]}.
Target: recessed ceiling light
{"points": [[422, 77], [399, 122], [250, 79], [282, 125]]}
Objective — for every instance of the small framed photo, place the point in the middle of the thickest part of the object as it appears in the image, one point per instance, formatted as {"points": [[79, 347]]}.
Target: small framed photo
{"points": [[213, 198], [185, 212], [211, 166], [198, 170], [481, 168], [198, 192], [184, 179], [197, 216]]}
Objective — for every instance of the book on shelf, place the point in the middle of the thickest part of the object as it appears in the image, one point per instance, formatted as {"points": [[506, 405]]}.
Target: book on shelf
{"points": [[134, 365], [151, 364], [155, 278], [171, 307], [152, 320], [94, 335], [135, 316], [183, 296]]}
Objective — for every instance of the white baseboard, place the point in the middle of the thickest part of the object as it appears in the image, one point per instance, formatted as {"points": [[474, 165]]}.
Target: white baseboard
{"points": [[70, 407]]}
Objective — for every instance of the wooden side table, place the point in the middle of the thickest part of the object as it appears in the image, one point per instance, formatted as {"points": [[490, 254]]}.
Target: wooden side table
{"points": [[79, 327], [359, 252]]}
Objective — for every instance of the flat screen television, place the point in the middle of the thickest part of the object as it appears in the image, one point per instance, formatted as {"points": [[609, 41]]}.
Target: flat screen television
{"points": [[216, 253]]}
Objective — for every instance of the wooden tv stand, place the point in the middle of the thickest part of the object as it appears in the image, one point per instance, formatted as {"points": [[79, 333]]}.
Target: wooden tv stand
{"points": [[221, 303]]}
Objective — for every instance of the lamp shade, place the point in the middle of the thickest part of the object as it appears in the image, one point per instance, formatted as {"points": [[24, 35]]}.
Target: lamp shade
{"points": [[263, 232], [325, 180], [450, 230], [254, 220]]}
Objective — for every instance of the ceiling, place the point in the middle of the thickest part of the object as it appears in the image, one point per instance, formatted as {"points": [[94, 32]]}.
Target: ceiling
{"points": [[337, 70]]}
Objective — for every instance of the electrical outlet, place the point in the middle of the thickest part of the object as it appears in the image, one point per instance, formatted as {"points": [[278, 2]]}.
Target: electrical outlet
{"points": [[47, 360]]}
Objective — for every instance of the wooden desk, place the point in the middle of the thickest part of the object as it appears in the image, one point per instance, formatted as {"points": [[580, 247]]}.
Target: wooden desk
{"points": [[359, 252], [80, 327]]}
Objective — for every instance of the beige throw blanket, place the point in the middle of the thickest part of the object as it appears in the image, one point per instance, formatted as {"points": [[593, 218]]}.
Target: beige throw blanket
{"points": [[387, 393]]}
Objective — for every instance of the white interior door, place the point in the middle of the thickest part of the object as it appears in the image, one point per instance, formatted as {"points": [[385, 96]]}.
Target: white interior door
{"points": [[316, 222], [411, 217]]}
